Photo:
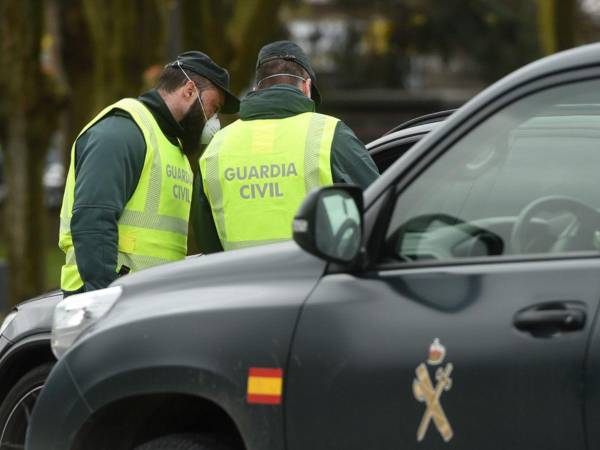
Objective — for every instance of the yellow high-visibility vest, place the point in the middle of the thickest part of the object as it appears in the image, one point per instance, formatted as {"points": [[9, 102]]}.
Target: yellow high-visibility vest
{"points": [[256, 173], [153, 226]]}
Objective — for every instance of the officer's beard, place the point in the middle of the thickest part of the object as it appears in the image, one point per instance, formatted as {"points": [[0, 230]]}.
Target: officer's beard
{"points": [[192, 124]]}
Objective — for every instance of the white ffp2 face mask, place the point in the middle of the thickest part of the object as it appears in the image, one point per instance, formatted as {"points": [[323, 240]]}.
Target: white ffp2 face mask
{"points": [[211, 127]]}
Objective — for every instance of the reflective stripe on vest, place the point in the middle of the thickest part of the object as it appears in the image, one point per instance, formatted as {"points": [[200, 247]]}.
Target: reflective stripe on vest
{"points": [[256, 173], [154, 223]]}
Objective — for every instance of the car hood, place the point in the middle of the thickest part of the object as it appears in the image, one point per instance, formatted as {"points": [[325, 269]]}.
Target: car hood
{"points": [[34, 316], [257, 263], [247, 277]]}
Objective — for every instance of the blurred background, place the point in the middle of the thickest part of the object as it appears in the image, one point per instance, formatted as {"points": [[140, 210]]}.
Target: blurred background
{"points": [[378, 63]]}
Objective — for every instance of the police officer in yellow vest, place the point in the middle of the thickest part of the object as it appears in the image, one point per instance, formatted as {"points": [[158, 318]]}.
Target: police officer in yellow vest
{"points": [[128, 192], [256, 171]]}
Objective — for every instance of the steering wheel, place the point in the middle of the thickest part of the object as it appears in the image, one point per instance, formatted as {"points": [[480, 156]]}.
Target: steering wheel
{"points": [[344, 245], [576, 235], [421, 223]]}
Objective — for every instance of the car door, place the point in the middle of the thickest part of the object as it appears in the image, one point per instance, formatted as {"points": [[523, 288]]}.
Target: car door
{"points": [[470, 329]]}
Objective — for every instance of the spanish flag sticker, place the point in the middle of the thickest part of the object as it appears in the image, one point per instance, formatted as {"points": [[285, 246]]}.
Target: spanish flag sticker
{"points": [[265, 386]]}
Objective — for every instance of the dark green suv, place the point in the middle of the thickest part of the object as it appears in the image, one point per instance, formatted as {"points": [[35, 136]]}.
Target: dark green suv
{"points": [[453, 306]]}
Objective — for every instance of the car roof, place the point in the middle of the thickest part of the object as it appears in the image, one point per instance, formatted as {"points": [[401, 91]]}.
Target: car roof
{"points": [[420, 120], [418, 125], [411, 131]]}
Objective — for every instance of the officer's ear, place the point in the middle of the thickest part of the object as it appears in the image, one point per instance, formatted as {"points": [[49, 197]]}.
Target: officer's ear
{"points": [[307, 87], [189, 90]]}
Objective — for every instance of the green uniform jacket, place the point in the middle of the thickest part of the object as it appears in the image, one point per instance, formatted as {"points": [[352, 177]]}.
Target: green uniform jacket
{"points": [[109, 158], [350, 161]]}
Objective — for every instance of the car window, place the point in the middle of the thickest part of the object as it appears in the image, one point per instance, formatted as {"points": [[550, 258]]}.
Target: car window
{"points": [[525, 181]]}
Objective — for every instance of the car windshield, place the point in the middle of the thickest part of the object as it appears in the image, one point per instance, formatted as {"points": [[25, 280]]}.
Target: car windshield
{"points": [[542, 147]]}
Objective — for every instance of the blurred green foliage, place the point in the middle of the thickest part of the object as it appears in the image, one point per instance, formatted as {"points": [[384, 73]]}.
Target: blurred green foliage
{"points": [[494, 37], [54, 260]]}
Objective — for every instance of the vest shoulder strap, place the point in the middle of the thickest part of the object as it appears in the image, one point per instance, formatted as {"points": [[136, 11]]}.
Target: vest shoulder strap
{"points": [[140, 114]]}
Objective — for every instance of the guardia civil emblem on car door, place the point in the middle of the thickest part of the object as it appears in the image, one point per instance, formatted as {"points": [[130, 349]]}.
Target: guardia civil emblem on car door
{"points": [[429, 392]]}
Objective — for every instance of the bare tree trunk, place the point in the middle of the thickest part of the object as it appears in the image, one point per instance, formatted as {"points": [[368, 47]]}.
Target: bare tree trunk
{"points": [[556, 24], [204, 28], [565, 23], [77, 62], [251, 27], [231, 33], [127, 36], [29, 122], [172, 14]]}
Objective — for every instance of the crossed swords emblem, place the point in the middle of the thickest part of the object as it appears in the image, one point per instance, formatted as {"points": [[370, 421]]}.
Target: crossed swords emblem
{"points": [[426, 392]]}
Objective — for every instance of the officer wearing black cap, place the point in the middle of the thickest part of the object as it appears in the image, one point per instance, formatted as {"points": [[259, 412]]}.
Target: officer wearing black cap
{"points": [[128, 193], [256, 171]]}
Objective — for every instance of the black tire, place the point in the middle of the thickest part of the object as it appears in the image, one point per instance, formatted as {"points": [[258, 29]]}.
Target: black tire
{"points": [[15, 411], [185, 441]]}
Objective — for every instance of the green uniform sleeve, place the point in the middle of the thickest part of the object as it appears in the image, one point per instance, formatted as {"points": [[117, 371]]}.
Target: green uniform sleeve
{"points": [[109, 159], [350, 160], [203, 224]]}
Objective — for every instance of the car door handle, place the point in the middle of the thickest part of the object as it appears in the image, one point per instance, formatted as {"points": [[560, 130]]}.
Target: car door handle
{"points": [[547, 320]]}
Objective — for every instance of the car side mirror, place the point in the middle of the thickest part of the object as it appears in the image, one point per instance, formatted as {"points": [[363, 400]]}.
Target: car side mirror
{"points": [[329, 223]]}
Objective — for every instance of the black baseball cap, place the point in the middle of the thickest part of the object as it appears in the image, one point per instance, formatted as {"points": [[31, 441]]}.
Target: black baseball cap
{"points": [[290, 52], [201, 64]]}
